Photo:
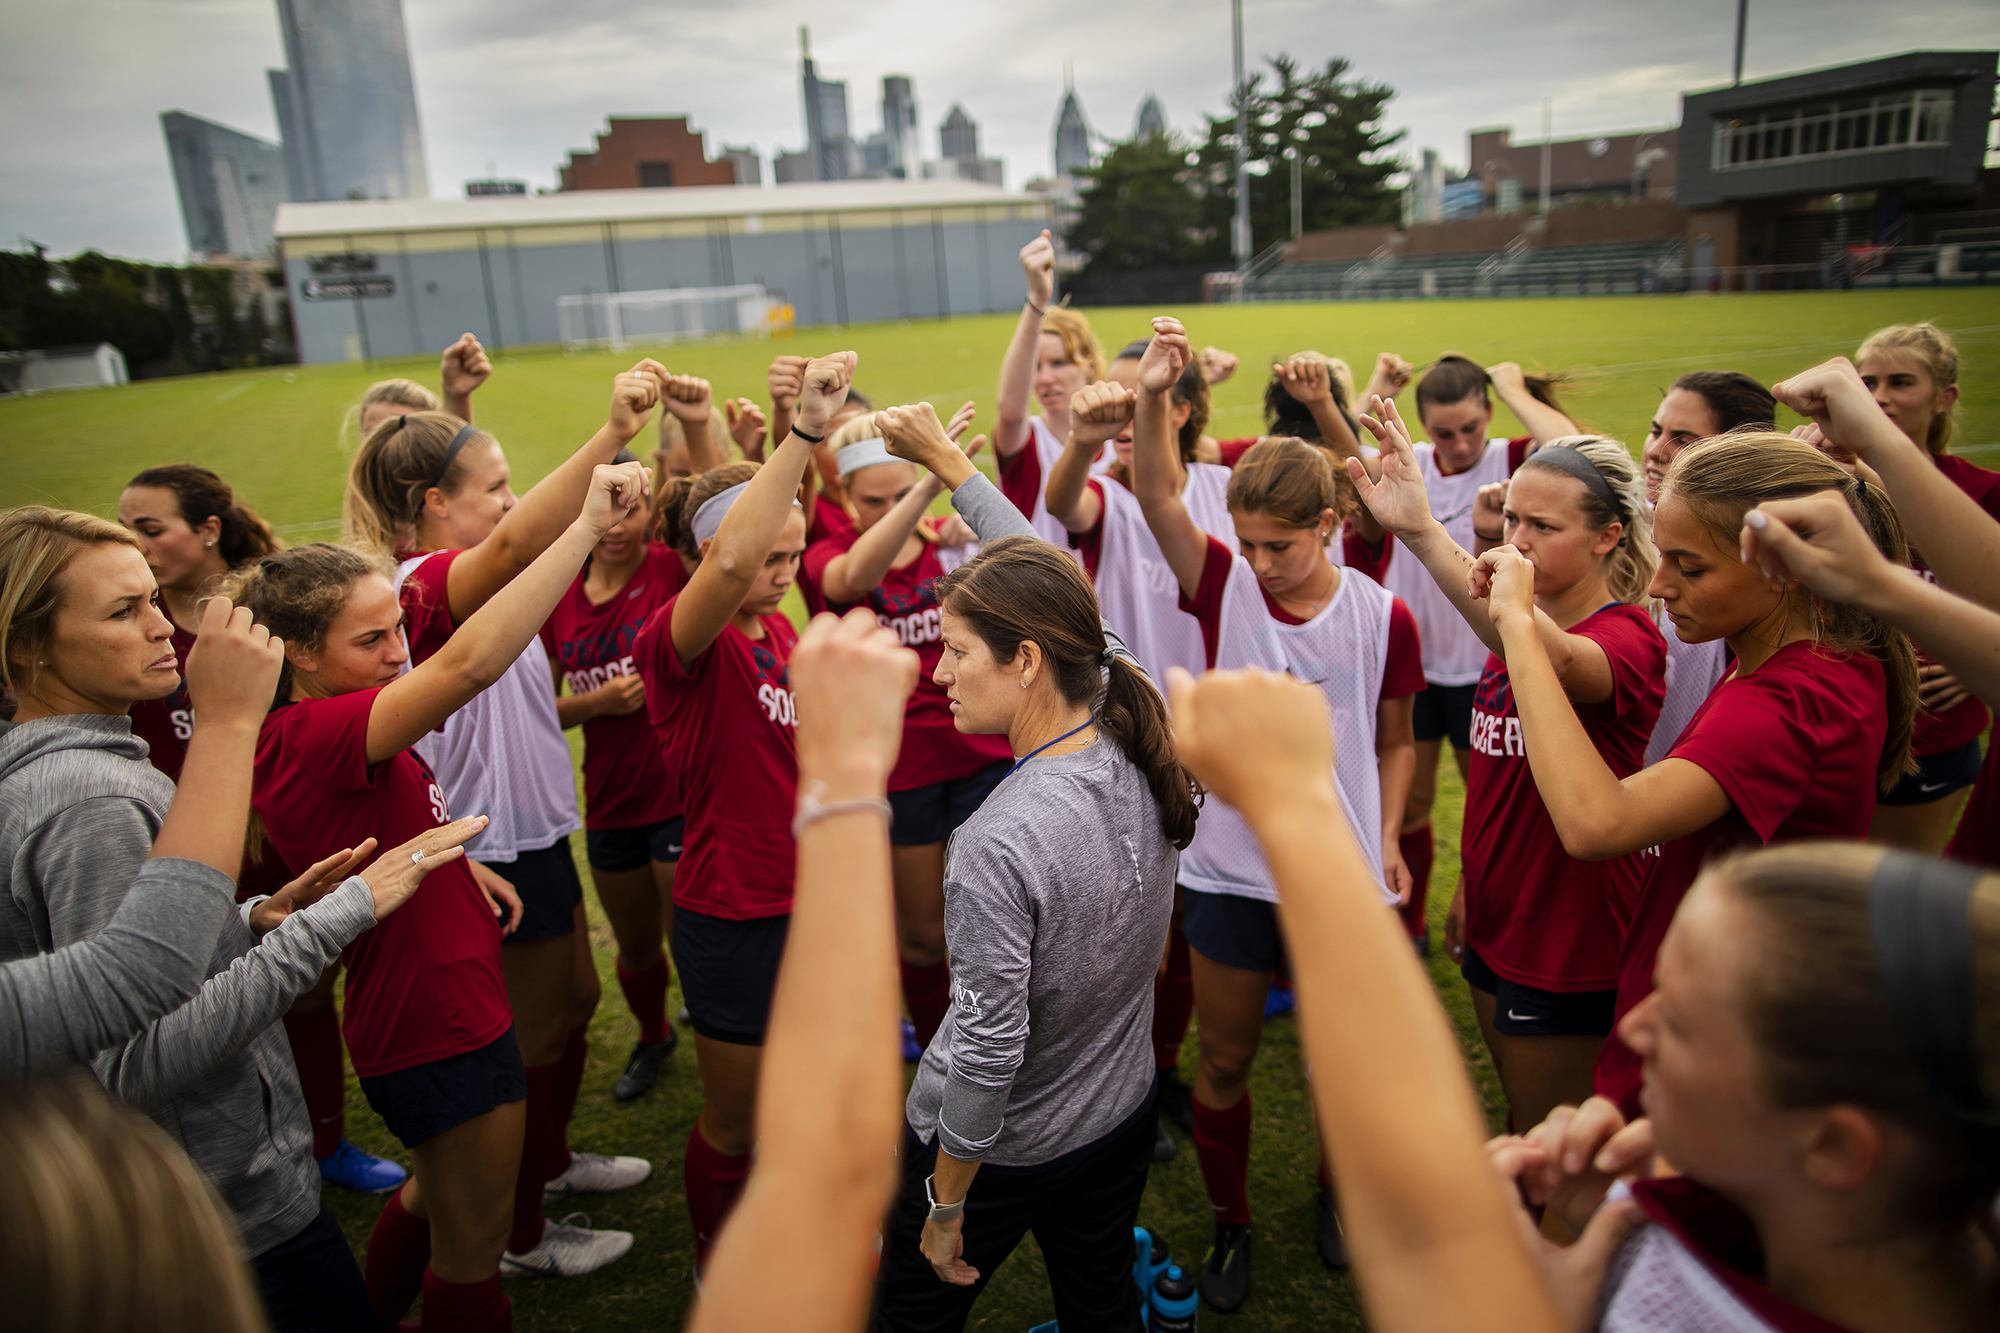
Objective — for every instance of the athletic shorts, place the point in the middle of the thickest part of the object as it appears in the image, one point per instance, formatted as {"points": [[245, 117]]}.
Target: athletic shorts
{"points": [[550, 890], [1529, 1011], [422, 1102], [616, 850], [925, 815], [728, 971], [1232, 930], [1441, 711], [1937, 776]]}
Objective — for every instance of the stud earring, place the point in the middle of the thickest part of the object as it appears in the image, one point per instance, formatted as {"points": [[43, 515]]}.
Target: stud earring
{"points": [[1024, 684], [211, 543]]}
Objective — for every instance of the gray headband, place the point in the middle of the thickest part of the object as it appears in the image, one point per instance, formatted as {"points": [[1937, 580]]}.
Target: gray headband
{"points": [[1920, 919], [1566, 458], [707, 520], [851, 458], [465, 432]]}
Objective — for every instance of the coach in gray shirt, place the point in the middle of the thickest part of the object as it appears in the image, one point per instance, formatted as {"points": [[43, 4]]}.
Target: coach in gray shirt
{"points": [[1032, 1108]]}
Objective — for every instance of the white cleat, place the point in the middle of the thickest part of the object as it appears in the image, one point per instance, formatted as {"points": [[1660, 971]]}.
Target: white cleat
{"points": [[594, 1173], [568, 1251]]}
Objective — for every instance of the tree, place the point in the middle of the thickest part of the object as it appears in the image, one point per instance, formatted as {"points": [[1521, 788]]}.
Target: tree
{"points": [[1140, 210], [1335, 122]]}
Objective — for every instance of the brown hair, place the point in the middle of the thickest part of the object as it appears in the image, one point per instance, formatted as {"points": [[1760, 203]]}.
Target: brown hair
{"points": [[201, 496], [1722, 479], [298, 593], [1735, 400], [1286, 415], [1454, 378], [37, 544], [1077, 340], [105, 1224], [1291, 482], [1020, 589], [1933, 349], [396, 467], [1628, 570], [1826, 1035], [674, 507]]}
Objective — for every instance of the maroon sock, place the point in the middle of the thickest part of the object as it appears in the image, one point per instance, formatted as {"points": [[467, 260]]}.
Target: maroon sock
{"points": [[562, 1101], [466, 1307], [1325, 1172], [646, 995], [532, 1173], [1222, 1144], [1173, 1002], [315, 1039], [927, 991], [1418, 849], [399, 1249], [712, 1180]]}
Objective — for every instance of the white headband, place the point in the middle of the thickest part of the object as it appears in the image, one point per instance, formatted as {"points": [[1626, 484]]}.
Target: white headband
{"points": [[863, 453], [708, 518]]}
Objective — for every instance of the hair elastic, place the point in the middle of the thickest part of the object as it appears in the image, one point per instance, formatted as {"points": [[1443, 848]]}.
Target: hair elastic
{"points": [[1573, 461], [1919, 912], [851, 458], [465, 432], [809, 439]]}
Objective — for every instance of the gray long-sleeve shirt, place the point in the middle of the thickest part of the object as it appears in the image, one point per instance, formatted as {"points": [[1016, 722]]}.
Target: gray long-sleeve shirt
{"points": [[79, 807], [1058, 892]]}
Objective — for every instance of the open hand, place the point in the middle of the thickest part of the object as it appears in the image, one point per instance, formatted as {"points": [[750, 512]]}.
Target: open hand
{"points": [[1255, 738], [687, 397], [500, 895], [943, 1243], [1398, 500], [1038, 262], [961, 421], [395, 875], [464, 367], [1167, 355], [1100, 412], [320, 879], [633, 395], [851, 679], [232, 671]]}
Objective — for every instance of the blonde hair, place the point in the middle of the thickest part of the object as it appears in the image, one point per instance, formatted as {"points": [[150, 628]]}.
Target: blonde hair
{"points": [[1723, 478], [1628, 570], [854, 431], [674, 437], [407, 394], [396, 466], [37, 544], [1933, 349], [675, 505], [105, 1224], [1077, 340]]}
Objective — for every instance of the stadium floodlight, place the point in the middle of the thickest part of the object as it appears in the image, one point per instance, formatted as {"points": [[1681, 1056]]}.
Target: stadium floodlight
{"points": [[618, 319]]}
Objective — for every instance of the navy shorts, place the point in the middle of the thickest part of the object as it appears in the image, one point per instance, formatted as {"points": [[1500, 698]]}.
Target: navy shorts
{"points": [[925, 815], [1441, 711], [311, 1284], [1529, 1011], [1231, 930], [616, 850], [728, 971], [1937, 776], [422, 1102], [550, 890]]}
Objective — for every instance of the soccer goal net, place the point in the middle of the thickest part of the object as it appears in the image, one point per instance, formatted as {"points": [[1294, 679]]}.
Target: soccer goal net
{"points": [[618, 319]]}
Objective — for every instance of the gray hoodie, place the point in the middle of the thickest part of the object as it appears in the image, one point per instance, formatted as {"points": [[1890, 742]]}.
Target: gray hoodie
{"points": [[79, 807]]}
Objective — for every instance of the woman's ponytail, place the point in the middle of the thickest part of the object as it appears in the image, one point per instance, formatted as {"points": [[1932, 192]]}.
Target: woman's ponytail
{"points": [[202, 495], [674, 508], [1134, 715]]}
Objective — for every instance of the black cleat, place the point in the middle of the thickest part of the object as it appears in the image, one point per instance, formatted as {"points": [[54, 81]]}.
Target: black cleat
{"points": [[1164, 1147], [643, 1069], [1176, 1100], [1328, 1234], [1225, 1269]]}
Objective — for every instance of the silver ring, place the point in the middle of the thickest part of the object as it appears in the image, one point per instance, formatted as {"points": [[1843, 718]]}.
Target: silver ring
{"points": [[417, 857]]}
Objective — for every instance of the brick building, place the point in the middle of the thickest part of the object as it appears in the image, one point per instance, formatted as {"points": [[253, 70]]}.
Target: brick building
{"points": [[1635, 166], [646, 152]]}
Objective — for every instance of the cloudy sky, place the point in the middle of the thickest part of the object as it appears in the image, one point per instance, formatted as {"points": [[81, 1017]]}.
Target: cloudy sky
{"points": [[512, 84]]}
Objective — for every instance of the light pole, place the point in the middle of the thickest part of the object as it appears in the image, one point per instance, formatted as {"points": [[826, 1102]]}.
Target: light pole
{"points": [[1240, 232], [1742, 19], [1298, 190], [1546, 131]]}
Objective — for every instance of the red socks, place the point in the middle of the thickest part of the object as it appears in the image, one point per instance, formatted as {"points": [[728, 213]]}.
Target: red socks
{"points": [[562, 1101], [712, 1181], [399, 1250], [533, 1174], [646, 995], [1173, 1002], [466, 1307], [1222, 1144], [1325, 1172], [316, 1050], [1418, 849], [927, 991]]}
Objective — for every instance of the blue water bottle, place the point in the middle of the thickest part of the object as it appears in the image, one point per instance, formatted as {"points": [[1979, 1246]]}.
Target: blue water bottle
{"points": [[1174, 1302], [1149, 1260]]}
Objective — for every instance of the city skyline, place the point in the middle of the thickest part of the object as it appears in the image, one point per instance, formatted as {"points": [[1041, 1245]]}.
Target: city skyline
{"points": [[515, 85]]}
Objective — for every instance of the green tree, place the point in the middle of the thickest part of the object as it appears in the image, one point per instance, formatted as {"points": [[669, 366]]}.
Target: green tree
{"points": [[1335, 123], [1141, 210]]}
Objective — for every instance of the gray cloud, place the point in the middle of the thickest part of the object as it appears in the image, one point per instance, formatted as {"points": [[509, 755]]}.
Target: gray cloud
{"points": [[516, 83]]}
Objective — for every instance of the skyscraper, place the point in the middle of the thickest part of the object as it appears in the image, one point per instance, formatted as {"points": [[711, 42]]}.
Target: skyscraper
{"points": [[957, 135], [1072, 136], [1152, 122], [828, 141], [347, 106], [899, 125], [230, 184]]}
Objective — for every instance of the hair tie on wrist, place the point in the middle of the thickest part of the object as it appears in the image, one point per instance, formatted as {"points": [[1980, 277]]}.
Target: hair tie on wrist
{"points": [[1037, 309], [809, 439]]}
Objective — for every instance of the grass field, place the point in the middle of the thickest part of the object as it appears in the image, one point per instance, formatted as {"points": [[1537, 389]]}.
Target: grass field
{"points": [[273, 434]]}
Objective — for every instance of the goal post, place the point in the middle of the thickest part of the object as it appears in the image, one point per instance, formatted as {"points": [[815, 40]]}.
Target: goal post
{"points": [[617, 320]]}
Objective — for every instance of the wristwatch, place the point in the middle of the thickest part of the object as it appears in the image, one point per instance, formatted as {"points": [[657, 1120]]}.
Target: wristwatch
{"points": [[942, 1212]]}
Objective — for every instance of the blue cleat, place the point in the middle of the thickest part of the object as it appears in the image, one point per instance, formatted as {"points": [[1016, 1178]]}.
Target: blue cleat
{"points": [[911, 1051], [355, 1169], [1279, 1001]]}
